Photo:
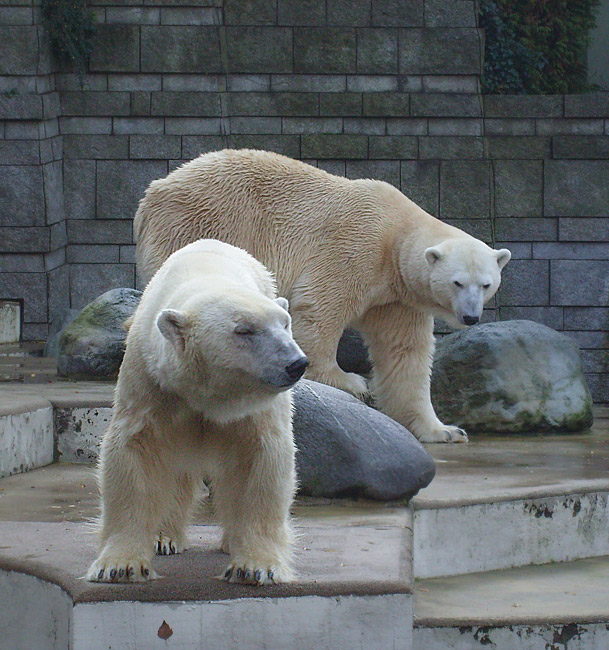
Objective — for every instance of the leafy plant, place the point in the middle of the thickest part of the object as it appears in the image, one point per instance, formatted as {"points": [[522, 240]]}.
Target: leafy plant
{"points": [[71, 28], [536, 46]]}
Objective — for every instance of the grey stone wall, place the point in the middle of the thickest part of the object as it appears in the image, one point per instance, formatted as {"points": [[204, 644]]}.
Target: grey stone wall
{"points": [[380, 88]]}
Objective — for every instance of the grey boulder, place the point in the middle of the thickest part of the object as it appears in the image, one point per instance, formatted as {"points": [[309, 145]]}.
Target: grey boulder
{"points": [[510, 377], [92, 346], [346, 448], [352, 353]]}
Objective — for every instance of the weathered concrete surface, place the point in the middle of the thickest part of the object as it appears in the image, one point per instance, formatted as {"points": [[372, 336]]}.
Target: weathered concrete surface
{"points": [[26, 439], [79, 432], [555, 606]]}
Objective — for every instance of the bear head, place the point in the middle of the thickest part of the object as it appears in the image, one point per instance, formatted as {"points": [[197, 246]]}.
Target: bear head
{"points": [[464, 274], [231, 352]]}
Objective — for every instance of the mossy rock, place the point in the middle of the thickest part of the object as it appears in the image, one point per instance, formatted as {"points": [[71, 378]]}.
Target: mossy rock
{"points": [[511, 377]]}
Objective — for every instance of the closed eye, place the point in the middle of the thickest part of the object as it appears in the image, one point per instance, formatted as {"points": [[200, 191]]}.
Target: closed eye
{"points": [[244, 330], [486, 286]]}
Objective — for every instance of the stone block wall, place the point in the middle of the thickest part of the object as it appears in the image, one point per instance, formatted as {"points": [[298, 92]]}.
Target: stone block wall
{"points": [[380, 88]]}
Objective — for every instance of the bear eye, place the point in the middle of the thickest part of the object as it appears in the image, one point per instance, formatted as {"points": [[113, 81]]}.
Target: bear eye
{"points": [[486, 286], [458, 284], [244, 330]]}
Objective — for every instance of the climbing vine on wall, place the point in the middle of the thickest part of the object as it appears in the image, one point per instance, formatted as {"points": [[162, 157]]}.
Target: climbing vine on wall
{"points": [[71, 28], [536, 46]]}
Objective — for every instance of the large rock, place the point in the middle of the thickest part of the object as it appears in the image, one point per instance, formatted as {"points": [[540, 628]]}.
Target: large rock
{"points": [[352, 353], [93, 344], [346, 448], [510, 377]]}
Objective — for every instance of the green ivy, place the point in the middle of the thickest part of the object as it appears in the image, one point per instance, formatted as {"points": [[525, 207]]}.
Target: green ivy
{"points": [[70, 26], [536, 46]]}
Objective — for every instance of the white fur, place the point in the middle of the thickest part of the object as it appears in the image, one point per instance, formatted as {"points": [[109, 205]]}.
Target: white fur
{"points": [[202, 393], [344, 252]]}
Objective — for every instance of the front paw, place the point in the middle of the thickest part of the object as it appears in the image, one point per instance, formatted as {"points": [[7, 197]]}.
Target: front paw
{"points": [[168, 545], [256, 573], [445, 433], [114, 567]]}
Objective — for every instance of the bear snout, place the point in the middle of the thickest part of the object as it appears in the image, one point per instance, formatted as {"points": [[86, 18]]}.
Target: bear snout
{"points": [[296, 369], [470, 320]]}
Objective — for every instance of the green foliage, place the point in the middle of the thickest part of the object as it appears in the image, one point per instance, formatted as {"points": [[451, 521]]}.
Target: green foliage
{"points": [[536, 46], [70, 27]]}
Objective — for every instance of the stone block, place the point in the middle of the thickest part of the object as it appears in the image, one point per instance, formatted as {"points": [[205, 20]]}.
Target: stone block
{"points": [[377, 51], [138, 125], [524, 283], [288, 145], [141, 102], [273, 104], [334, 146], [86, 125], [570, 251], [52, 174], [246, 83], [575, 188], [548, 316], [35, 331], [397, 13], [386, 104], [410, 83], [29, 287], [195, 145], [580, 146], [451, 147], [134, 82], [54, 259], [587, 105], [396, 147], [407, 126], [79, 189], [354, 13], [193, 126], [88, 281], [341, 104], [521, 148], [21, 196], [324, 50], [133, 15], [255, 125], [420, 182], [95, 147], [21, 107], [440, 51], [191, 16], [450, 83], [583, 229], [58, 235], [121, 184], [336, 167], [589, 340], [518, 188], [253, 12], [22, 130], [464, 189], [301, 12], [19, 152], [570, 126], [127, 254], [511, 106], [186, 104], [454, 126], [526, 229], [100, 231], [373, 84], [259, 49], [579, 283], [21, 263], [479, 228], [155, 146], [365, 125], [16, 16], [116, 48], [598, 383], [25, 240], [506, 126], [587, 318], [519, 250], [71, 82], [93, 254], [20, 50], [200, 83], [382, 170], [454, 13], [300, 125], [445, 105], [315, 83], [193, 49]]}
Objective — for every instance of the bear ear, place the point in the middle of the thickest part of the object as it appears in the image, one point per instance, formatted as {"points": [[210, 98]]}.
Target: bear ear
{"points": [[172, 325], [432, 254], [503, 257], [283, 303]]}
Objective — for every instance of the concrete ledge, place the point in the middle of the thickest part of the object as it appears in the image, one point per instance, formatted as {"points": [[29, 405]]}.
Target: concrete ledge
{"points": [[26, 437]]}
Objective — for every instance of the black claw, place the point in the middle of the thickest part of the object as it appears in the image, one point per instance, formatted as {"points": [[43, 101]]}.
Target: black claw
{"points": [[145, 571], [257, 576], [228, 573], [172, 549], [239, 573], [121, 573], [112, 574], [129, 571], [271, 575], [248, 575], [158, 548], [100, 575]]}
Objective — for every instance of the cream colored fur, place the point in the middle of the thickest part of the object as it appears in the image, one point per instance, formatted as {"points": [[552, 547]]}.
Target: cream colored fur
{"points": [[202, 393], [344, 252]]}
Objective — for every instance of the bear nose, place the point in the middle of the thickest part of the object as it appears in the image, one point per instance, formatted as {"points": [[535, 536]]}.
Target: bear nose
{"points": [[296, 370], [470, 320]]}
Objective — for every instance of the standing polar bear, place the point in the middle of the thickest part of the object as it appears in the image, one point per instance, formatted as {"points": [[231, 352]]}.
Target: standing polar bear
{"points": [[344, 252], [202, 393]]}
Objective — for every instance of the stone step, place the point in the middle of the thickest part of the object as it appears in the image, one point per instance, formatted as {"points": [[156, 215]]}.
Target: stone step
{"points": [[548, 607]]}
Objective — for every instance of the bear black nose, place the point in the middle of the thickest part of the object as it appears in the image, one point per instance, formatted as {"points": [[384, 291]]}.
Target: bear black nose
{"points": [[470, 320], [296, 370]]}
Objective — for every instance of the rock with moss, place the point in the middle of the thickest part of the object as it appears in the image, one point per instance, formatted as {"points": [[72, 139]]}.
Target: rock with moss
{"points": [[93, 344], [510, 377]]}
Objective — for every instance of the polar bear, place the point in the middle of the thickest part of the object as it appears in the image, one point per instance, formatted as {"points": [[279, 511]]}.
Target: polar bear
{"points": [[345, 253], [203, 392]]}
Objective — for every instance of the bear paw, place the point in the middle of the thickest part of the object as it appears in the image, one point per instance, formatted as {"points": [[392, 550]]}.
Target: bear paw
{"points": [[253, 573], [445, 434], [120, 569], [166, 545]]}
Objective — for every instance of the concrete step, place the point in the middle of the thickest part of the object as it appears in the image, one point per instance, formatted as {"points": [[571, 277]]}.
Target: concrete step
{"points": [[549, 607]]}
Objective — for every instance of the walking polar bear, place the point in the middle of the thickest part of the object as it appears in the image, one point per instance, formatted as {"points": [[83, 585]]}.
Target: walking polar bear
{"points": [[344, 252], [202, 393]]}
